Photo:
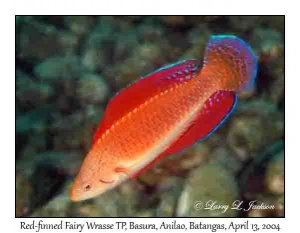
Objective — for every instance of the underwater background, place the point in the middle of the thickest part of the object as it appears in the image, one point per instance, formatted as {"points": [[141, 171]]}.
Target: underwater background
{"points": [[69, 67]]}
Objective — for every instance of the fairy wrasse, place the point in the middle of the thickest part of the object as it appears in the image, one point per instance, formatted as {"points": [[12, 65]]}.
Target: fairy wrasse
{"points": [[165, 112]]}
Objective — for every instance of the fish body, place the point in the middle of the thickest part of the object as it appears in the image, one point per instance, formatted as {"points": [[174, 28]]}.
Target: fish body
{"points": [[165, 112]]}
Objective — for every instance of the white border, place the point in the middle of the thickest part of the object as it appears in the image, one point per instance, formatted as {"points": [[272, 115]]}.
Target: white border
{"points": [[7, 43]]}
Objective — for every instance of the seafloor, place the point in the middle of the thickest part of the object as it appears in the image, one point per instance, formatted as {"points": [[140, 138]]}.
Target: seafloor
{"points": [[67, 68]]}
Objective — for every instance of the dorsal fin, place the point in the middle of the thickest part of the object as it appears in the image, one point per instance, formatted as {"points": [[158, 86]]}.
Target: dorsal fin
{"points": [[145, 88]]}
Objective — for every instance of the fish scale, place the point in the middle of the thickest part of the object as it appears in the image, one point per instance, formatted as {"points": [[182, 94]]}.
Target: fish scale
{"points": [[164, 113], [159, 114]]}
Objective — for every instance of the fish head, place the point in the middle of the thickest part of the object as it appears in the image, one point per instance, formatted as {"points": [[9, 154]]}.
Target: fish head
{"points": [[96, 176]]}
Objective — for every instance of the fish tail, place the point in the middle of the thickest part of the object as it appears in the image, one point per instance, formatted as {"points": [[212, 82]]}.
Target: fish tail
{"points": [[231, 62]]}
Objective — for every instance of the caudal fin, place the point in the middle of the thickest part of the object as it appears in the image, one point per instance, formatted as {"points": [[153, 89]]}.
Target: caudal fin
{"points": [[231, 62]]}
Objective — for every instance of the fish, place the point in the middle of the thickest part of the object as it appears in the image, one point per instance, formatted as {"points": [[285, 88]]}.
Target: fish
{"points": [[165, 112]]}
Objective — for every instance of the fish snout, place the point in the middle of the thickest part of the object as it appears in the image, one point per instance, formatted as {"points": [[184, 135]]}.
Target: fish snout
{"points": [[75, 192]]}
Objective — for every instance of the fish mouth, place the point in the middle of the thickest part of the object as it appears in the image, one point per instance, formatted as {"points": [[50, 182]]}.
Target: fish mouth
{"points": [[77, 196], [77, 193], [73, 195], [107, 182]]}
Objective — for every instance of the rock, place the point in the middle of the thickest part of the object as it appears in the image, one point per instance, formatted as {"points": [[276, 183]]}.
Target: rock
{"points": [[169, 192], [35, 187], [37, 140], [146, 214], [194, 156], [23, 194], [254, 125], [197, 38], [59, 206], [65, 163], [31, 93], [181, 21], [226, 158], [252, 178], [278, 91], [173, 20], [33, 121], [92, 60], [37, 41], [131, 18], [202, 20], [126, 45], [268, 42], [99, 47], [92, 89], [68, 122], [119, 202], [205, 185], [242, 23], [82, 123], [279, 206], [67, 141], [275, 22], [150, 33], [144, 60], [275, 175], [269, 47], [59, 68], [109, 44], [80, 25], [47, 182]]}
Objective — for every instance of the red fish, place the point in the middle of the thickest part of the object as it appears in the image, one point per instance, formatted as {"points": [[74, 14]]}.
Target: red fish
{"points": [[165, 112]]}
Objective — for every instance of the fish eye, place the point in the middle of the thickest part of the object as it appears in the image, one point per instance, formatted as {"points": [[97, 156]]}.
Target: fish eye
{"points": [[87, 187]]}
